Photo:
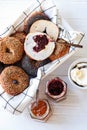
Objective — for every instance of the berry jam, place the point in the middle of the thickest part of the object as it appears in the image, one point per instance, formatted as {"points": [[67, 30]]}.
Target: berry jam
{"points": [[41, 41], [55, 87]]}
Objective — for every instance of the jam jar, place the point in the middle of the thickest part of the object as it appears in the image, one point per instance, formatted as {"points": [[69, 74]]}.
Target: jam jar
{"points": [[40, 110], [56, 89]]}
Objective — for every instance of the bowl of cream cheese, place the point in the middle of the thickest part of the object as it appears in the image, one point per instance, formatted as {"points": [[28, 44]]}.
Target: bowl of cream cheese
{"points": [[77, 73]]}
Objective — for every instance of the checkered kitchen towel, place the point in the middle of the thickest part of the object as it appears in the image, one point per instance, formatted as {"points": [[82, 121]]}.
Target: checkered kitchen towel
{"points": [[16, 104]]}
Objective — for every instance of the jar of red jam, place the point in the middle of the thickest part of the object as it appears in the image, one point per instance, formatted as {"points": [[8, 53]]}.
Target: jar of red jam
{"points": [[56, 89], [40, 110]]}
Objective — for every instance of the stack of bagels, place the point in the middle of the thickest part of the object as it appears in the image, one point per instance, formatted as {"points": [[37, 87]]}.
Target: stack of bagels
{"points": [[31, 49], [54, 49]]}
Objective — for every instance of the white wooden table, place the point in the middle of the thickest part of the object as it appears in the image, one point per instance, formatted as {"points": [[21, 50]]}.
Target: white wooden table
{"points": [[71, 113]]}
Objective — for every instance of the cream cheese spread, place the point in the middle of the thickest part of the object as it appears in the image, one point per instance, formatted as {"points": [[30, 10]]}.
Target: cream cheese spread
{"points": [[79, 74]]}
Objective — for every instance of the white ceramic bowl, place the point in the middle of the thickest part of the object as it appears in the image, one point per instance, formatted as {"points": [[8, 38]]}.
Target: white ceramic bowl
{"points": [[71, 67]]}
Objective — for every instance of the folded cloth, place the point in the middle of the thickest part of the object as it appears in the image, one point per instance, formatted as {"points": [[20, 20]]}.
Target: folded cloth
{"points": [[16, 104]]}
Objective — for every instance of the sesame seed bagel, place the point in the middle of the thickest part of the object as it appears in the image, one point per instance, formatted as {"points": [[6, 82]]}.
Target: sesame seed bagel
{"points": [[11, 50], [20, 36], [14, 80]]}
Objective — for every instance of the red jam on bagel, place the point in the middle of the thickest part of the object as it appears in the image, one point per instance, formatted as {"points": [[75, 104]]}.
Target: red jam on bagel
{"points": [[41, 41], [38, 46]]}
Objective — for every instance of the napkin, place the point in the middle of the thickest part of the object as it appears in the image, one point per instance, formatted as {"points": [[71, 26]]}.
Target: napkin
{"points": [[16, 104]]}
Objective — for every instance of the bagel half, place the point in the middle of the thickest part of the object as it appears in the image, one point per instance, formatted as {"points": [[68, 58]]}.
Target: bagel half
{"points": [[47, 27], [61, 49], [33, 17], [38, 50]]}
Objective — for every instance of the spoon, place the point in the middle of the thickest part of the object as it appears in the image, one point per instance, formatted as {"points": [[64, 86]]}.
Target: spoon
{"points": [[37, 96], [69, 44]]}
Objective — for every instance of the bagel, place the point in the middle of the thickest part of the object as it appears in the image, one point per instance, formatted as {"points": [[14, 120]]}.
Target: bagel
{"points": [[20, 36], [31, 66], [11, 50], [14, 80], [61, 49], [47, 27], [38, 46], [33, 17]]}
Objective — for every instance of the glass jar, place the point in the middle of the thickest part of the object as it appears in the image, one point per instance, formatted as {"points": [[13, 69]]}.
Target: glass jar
{"points": [[40, 110], [56, 89]]}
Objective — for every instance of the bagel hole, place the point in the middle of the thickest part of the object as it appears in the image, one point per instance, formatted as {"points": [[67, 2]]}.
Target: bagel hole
{"points": [[15, 81], [45, 31], [8, 50]]}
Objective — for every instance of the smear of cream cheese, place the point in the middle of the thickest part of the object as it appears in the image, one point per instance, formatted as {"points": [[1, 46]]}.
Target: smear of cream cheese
{"points": [[79, 74]]}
